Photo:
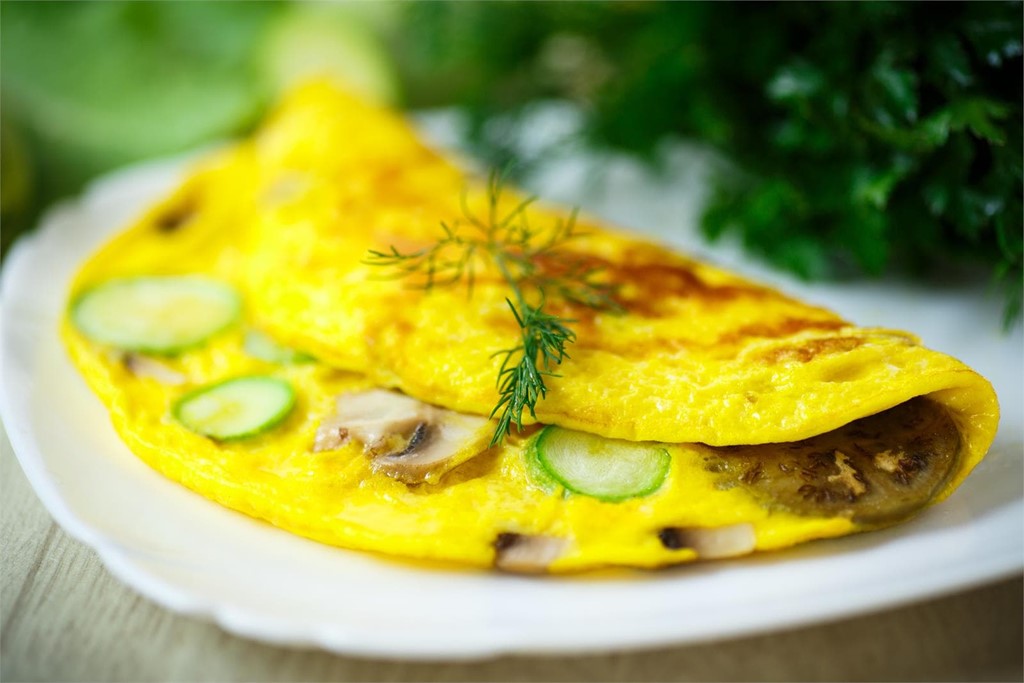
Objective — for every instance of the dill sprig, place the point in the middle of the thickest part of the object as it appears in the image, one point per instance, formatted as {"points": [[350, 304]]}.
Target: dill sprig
{"points": [[521, 383], [537, 270]]}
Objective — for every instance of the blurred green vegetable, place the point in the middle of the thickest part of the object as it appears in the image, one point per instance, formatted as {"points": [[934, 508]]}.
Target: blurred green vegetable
{"points": [[90, 86], [98, 85]]}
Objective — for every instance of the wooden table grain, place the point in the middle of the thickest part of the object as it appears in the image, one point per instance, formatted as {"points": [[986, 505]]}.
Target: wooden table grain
{"points": [[65, 618]]}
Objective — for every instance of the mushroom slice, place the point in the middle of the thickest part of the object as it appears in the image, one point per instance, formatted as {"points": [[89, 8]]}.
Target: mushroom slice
{"points": [[711, 543], [144, 366], [374, 415], [437, 445], [370, 417], [875, 470], [407, 439], [527, 553]]}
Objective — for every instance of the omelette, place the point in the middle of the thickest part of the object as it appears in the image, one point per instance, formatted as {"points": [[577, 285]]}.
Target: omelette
{"points": [[315, 330]]}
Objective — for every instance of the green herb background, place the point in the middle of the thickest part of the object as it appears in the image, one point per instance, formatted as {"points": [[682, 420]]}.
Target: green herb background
{"points": [[865, 138]]}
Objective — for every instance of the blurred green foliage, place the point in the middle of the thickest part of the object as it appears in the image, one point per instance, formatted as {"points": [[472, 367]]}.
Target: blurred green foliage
{"points": [[90, 86], [865, 137], [869, 136]]}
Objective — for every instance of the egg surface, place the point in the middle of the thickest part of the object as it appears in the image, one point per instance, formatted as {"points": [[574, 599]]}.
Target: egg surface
{"points": [[782, 422]]}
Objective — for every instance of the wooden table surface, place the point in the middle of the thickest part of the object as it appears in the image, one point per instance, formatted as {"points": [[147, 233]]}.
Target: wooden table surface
{"points": [[65, 618]]}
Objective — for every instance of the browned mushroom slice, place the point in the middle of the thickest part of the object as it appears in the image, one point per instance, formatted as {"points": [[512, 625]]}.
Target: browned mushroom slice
{"points": [[527, 553], [407, 439], [435, 447], [145, 366], [878, 469], [711, 543]]}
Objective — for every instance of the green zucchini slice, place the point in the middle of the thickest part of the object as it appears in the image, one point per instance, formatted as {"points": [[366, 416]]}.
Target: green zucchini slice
{"points": [[162, 315], [611, 470], [236, 408], [259, 345]]}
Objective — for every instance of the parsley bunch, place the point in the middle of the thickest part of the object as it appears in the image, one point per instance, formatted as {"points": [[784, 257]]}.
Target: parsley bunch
{"points": [[870, 137]]}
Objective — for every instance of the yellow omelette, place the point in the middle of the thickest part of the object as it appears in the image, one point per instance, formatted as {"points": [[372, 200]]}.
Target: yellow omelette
{"points": [[701, 416]]}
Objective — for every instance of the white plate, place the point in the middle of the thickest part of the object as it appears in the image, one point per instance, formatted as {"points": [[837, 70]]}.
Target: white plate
{"points": [[195, 557]]}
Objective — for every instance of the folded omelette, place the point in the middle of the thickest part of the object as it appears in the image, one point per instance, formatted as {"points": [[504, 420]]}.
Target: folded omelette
{"points": [[256, 338]]}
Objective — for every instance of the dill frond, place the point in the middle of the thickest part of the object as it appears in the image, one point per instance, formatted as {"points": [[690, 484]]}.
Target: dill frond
{"points": [[519, 252]]}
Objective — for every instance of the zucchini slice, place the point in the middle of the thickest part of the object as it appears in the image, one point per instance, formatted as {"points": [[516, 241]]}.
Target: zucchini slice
{"points": [[261, 346], [611, 470], [236, 408], [161, 315]]}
